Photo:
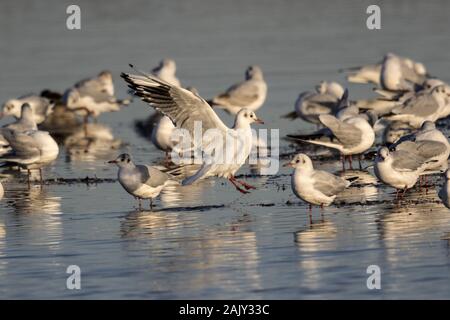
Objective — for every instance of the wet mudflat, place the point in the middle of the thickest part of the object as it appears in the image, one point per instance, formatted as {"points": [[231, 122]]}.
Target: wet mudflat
{"points": [[207, 240]]}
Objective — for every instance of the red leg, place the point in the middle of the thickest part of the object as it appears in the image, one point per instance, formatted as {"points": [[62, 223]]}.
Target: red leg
{"points": [[237, 187], [244, 184]]}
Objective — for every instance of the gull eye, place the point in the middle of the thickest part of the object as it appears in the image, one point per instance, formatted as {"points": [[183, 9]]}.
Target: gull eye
{"points": [[297, 161], [251, 116]]}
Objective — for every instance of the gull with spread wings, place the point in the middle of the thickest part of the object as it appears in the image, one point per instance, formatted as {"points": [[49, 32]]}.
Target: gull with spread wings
{"points": [[185, 108]]}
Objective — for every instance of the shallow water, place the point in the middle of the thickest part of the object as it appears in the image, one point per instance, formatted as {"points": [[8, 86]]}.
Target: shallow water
{"points": [[207, 240]]}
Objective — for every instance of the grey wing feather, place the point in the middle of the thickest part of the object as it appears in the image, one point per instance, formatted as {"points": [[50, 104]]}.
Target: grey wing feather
{"points": [[421, 105], [22, 144], [152, 176], [328, 183], [182, 106], [406, 161], [346, 133]]}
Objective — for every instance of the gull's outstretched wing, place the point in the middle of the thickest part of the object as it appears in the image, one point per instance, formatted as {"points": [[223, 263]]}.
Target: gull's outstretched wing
{"points": [[182, 106]]}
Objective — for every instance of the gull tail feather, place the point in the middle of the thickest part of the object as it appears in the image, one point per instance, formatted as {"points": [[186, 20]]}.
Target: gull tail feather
{"points": [[291, 115], [200, 174]]}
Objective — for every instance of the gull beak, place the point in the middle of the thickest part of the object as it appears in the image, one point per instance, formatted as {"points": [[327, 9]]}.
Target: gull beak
{"points": [[287, 164], [112, 161], [259, 121]]}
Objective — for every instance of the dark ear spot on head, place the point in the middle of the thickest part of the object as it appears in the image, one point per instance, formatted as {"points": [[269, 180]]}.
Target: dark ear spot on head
{"points": [[245, 115]]}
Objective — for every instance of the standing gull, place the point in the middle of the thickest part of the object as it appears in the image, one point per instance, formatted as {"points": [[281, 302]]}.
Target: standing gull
{"points": [[41, 107], [427, 105], [352, 136], [401, 74], [249, 94], [185, 108], [324, 100], [93, 96], [428, 143], [399, 169], [141, 181], [24, 123], [314, 186], [31, 150]]}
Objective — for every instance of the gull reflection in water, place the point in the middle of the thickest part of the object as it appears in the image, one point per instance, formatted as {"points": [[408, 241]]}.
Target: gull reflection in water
{"points": [[39, 211], [96, 141], [223, 255], [362, 190], [311, 241], [405, 225]]}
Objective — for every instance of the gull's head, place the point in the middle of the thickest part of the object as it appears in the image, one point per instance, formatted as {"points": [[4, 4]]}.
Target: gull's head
{"points": [[428, 125], [11, 107], [123, 160], [105, 75], [169, 65], [431, 83], [419, 68], [247, 117], [442, 91], [383, 154], [301, 160], [254, 72]]}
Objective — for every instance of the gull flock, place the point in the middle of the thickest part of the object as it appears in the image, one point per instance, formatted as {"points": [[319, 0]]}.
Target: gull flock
{"points": [[399, 125]]}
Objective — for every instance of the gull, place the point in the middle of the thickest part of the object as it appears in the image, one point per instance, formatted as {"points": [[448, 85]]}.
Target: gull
{"points": [[249, 94], [141, 181], [31, 150], [426, 105], [311, 104], [429, 143], [399, 169], [352, 136], [42, 107], [185, 108], [103, 82], [316, 187], [400, 74], [94, 96], [166, 71], [444, 192], [24, 123]]}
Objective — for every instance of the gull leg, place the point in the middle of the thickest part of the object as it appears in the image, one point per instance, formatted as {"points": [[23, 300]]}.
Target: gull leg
{"points": [[40, 176], [359, 160], [236, 186], [343, 162], [244, 184], [140, 204], [28, 178], [350, 162], [151, 204], [310, 214]]}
